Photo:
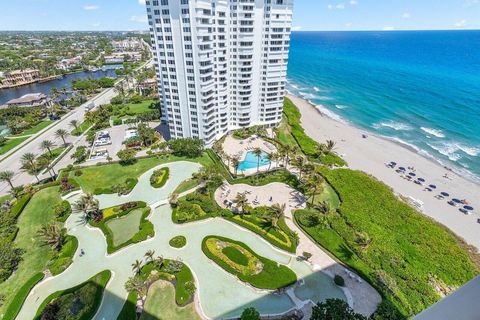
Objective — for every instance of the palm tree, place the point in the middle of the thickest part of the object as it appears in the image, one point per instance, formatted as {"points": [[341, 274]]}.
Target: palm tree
{"points": [[313, 185], [270, 157], [88, 205], [241, 202], [62, 134], [235, 163], [329, 147], [149, 255], [29, 164], [159, 261], [323, 207], [52, 235], [258, 153], [363, 240], [7, 176], [44, 162], [277, 211], [299, 163], [47, 145], [74, 123], [136, 284], [137, 266]]}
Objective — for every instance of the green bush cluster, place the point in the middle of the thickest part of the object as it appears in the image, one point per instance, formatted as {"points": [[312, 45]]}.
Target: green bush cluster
{"points": [[159, 177], [178, 242], [272, 276]]}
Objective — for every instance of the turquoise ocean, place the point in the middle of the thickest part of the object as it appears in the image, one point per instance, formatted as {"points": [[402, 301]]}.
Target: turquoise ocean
{"points": [[420, 89]]}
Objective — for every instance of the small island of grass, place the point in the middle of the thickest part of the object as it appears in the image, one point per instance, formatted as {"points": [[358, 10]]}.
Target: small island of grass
{"points": [[238, 259], [159, 177], [178, 242]]}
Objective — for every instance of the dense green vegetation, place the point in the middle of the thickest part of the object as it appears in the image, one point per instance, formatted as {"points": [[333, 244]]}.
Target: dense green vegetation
{"points": [[100, 179], [407, 257], [10, 144], [33, 212], [36, 128], [238, 259], [159, 177], [77, 303], [92, 85], [178, 242], [145, 229]]}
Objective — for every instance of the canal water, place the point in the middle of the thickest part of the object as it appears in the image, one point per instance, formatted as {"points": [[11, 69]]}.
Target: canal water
{"points": [[46, 87]]}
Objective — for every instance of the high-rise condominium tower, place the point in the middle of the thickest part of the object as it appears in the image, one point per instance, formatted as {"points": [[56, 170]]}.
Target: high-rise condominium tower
{"points": [[221, 64]]}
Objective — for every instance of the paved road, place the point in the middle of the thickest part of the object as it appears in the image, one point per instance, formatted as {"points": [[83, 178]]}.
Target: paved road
{"points": [[13, 163]]}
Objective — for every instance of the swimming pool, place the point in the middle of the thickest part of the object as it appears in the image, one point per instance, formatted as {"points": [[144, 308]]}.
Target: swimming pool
{"points": [[251, 161]]}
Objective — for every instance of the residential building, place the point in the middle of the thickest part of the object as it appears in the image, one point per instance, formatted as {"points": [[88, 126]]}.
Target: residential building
{"points": [[19, 77], [31, 100], [221, 64], [127, 44]]}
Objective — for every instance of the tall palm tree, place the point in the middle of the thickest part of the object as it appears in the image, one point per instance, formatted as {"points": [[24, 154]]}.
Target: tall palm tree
{"points": [[258, 153], [277, 211], [270, 157], [62, 134], [7, 176], [299, 163], [329, 146], [241, 202], [235, 163], [29, 164], [47, 145], [149, 255], [74, 123], [53, 236], [45, 162], [159, 261], [313, 185], [88, 205], [137, 266]]}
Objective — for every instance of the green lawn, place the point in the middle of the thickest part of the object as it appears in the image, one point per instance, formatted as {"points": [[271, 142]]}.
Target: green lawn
{"points": [[139, 108], [178, 242], [238, 259], [80, 302], [37, 256], [160, 304], [10, 144], [35, 129], [407, 254], [82, 128], [124, 228], [106, 176], [186, 185]]}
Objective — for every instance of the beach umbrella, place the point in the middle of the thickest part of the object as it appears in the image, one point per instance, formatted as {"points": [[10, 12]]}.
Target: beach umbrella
{"points": [[445, 194], [469, 208], [421, 179], [456, 201], [432, 186], [411, 174], [401, 169]]}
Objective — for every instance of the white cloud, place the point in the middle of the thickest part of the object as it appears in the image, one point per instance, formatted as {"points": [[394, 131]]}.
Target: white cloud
{"points": [[339, 6], [91, 7], [297, 28], [142, 2], [96, 24], [470, 3], [348, 25], [461, 24], [406, 15], [388, 28], [353, 2], [141, 19]]}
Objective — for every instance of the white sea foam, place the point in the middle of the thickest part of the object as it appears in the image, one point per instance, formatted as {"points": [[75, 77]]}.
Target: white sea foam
{"points": [[332, 115], [471, 151], [453, 150], [316, 89], [434, 132], [340, 106], [397, 126]]}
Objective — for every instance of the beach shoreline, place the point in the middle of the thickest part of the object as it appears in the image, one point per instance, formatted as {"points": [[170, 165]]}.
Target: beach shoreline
{"points": [[371, 154]]}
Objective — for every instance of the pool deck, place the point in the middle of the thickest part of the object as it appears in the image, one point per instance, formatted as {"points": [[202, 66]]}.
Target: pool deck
{"points": [[361, 296], [239, 148]]}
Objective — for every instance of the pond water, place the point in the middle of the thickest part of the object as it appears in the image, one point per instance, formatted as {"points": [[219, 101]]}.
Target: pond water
{"points": [[251, 161]]}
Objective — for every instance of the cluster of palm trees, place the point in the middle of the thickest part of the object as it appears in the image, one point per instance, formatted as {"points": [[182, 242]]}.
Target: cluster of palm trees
{"points": [[89, 206], [53, 236], [272, 216]]}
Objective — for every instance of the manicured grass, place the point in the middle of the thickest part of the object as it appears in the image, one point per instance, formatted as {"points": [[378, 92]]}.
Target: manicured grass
{"points": [[5, 198], [182, 278], [178, 242], [328, 195], [143, 107], [85, 299], [124, 228], [106, 176], [17, 302], [129, 310], [37, 257], [10, 144], [160, 304], [81, 128], [144, 230], [244, 263], [159, 177], [408, 254], [186, 185], [35, 129]]}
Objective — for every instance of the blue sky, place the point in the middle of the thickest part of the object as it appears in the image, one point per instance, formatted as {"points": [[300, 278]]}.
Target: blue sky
{"points": [[309, 14]]}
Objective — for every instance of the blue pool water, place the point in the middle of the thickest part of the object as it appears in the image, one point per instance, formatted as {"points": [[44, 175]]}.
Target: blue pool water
{"points": [[251, 161], [418, 88]]}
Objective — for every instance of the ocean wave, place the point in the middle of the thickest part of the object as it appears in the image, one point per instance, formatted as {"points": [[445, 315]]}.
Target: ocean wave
{"points": [[316, 89], [340, 106], [434, 132], [397, 126], [471, 151], [332, 115], [452, 150]]}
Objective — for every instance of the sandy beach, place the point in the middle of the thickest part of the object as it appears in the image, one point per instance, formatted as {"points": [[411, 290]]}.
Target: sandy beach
{"points": [[371, 155]]}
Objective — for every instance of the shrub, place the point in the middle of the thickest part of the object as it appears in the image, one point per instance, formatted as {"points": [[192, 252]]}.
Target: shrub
{"points": [[78, 173], [250, 314], [63, 209], [117, 122], [178, 242], [127, 156], [188, 147], [159, 177], [339, 281]]}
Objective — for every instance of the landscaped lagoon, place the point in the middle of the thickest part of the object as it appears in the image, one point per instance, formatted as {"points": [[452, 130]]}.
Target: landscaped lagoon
{"points": [[230, 295]]}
